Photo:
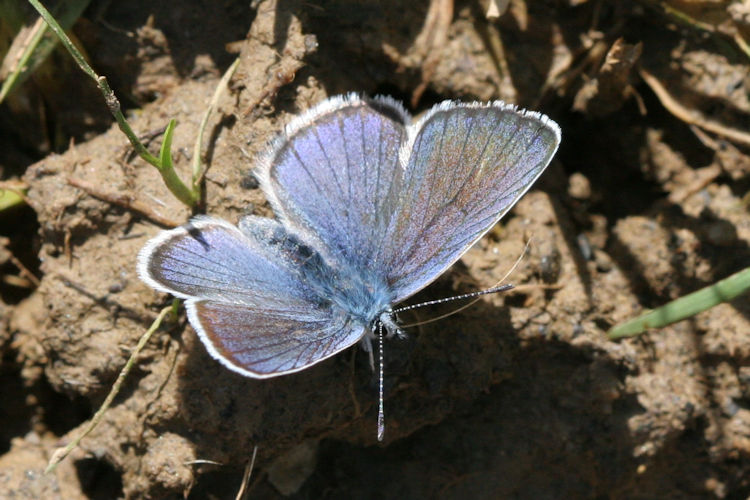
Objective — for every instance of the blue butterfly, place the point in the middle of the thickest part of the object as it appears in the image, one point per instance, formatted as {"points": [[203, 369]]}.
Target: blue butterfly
{"points": [[371, 209]]}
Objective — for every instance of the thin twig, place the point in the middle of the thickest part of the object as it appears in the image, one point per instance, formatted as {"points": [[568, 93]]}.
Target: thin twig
{"points": [[431, 41], [59, 454], [23, 270], [283, 75], [123, 200], [692, 116], [246, 475], [198, 169], [692, 22]]}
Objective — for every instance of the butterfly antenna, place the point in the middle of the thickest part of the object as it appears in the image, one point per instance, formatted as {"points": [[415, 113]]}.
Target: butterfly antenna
{"points": [[381, 404], [475, 295], [471, 295]]}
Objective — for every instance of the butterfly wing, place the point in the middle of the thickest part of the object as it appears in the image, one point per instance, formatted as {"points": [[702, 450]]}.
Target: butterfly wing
{"points": [[466, 166], [334, 176], [246, 297], [263, 342]]}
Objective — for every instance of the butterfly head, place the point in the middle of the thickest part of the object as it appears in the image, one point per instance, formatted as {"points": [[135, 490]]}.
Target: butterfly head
{"points": [[389, 321]]}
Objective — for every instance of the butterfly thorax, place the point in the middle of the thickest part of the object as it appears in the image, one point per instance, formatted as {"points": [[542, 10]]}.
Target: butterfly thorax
{"points": [[359, 292]]}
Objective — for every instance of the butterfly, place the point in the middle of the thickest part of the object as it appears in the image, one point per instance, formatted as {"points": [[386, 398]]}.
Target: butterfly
{"points": [[370, 208]]}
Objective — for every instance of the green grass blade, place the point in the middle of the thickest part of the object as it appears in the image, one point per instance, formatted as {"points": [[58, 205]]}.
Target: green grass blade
{"points": [[10, 198], [684, 307], [35, 44], [168, 174], [176, 186]]}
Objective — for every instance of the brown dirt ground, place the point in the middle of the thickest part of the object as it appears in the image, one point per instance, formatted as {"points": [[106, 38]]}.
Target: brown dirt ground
{"points": [[519, 396]]}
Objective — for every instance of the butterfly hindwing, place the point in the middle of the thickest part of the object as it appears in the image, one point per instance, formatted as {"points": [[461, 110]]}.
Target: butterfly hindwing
{"points": [[247, 299], [265, 342]]}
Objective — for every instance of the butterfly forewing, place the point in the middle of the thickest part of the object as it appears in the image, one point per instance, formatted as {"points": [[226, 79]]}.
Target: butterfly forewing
{"points": [[335, 176], [467, 166], [404, 203]]}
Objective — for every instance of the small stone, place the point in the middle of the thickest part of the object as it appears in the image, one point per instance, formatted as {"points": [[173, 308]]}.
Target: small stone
{"points": [[579, 187]]}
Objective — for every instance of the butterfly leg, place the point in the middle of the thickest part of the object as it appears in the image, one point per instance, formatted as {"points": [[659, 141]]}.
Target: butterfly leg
{"points": [[388, 320], [366, 344]]}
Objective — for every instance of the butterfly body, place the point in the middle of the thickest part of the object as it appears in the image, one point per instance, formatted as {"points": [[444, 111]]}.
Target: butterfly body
{"points": [[371, 208], [360, 293]]}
